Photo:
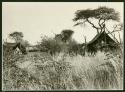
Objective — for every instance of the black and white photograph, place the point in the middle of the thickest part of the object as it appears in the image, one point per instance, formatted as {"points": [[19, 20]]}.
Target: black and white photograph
{"points": [[50, 46]]}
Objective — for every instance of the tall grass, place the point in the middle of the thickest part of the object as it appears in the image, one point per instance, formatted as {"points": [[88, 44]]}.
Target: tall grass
{"points": [[99, 72], [63, 72]]}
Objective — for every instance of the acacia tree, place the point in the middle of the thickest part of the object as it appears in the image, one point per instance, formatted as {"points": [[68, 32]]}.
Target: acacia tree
{"points": [[101, 14], [16, 36], [66, 34]]}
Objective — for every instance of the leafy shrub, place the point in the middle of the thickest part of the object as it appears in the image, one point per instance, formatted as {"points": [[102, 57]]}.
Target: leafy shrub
{"points": [[54, 46], [50, 45], [74, 48]]}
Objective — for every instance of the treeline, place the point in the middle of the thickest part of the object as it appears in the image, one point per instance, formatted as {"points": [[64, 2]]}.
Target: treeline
{"points": [[62, 42]]}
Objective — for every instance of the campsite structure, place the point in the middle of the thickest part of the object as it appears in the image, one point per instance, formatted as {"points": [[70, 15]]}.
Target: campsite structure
{"points": [[102, 42], [17, 47]]}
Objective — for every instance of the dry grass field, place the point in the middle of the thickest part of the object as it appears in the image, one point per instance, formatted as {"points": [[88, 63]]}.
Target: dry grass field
{"points": [[41, 71]]}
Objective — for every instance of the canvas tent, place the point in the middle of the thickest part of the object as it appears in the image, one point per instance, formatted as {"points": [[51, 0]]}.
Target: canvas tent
{"points": [[14, 46], [103, 42]]}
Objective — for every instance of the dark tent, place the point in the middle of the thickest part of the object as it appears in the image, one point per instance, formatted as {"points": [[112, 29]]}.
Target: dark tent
{"points": [[13, 46], [102, 42]]}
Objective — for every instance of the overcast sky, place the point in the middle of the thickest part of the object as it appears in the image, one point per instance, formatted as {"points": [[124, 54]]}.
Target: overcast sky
{"points": [[46, 18]]}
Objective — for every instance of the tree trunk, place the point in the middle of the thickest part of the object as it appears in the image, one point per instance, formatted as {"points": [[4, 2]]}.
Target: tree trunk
{"points": [[97, 31], [93, 25]]}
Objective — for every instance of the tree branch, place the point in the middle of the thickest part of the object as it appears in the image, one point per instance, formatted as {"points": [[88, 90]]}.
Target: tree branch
{"points": [[79, 23], [115, 31], [91, 23], [101, 24], [112, 35]]}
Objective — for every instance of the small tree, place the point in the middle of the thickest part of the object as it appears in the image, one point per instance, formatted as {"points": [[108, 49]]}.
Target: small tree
{"points": [[101, 14], [58, 37], [16, 36], [66, 35], [49, 45]]}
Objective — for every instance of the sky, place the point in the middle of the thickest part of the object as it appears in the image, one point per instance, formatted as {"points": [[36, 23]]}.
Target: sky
{"points": [[36, 19]]}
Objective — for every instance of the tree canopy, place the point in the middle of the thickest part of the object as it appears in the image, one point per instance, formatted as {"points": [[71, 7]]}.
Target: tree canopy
{"points": [[66, 34], [102, 14], [17, 36]]}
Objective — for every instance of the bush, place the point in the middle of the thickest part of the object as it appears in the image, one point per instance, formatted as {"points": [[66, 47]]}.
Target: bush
{"points": [[50, 45], [74, 48], [54, 46]]}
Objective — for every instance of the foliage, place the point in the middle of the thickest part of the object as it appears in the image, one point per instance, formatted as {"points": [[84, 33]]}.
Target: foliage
{"points": [[61, 42], [58, 37], [17, 36], [106, 14], [50, 45], [99, 13], [55, 46], [102, 14], [66, 35], [74, 48]]}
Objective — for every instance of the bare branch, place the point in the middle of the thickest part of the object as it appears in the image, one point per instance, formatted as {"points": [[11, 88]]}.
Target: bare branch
{"points": [[115, 31], [112, 35], [80, 23], [103, 22], [99, 22], [92, 24]]}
